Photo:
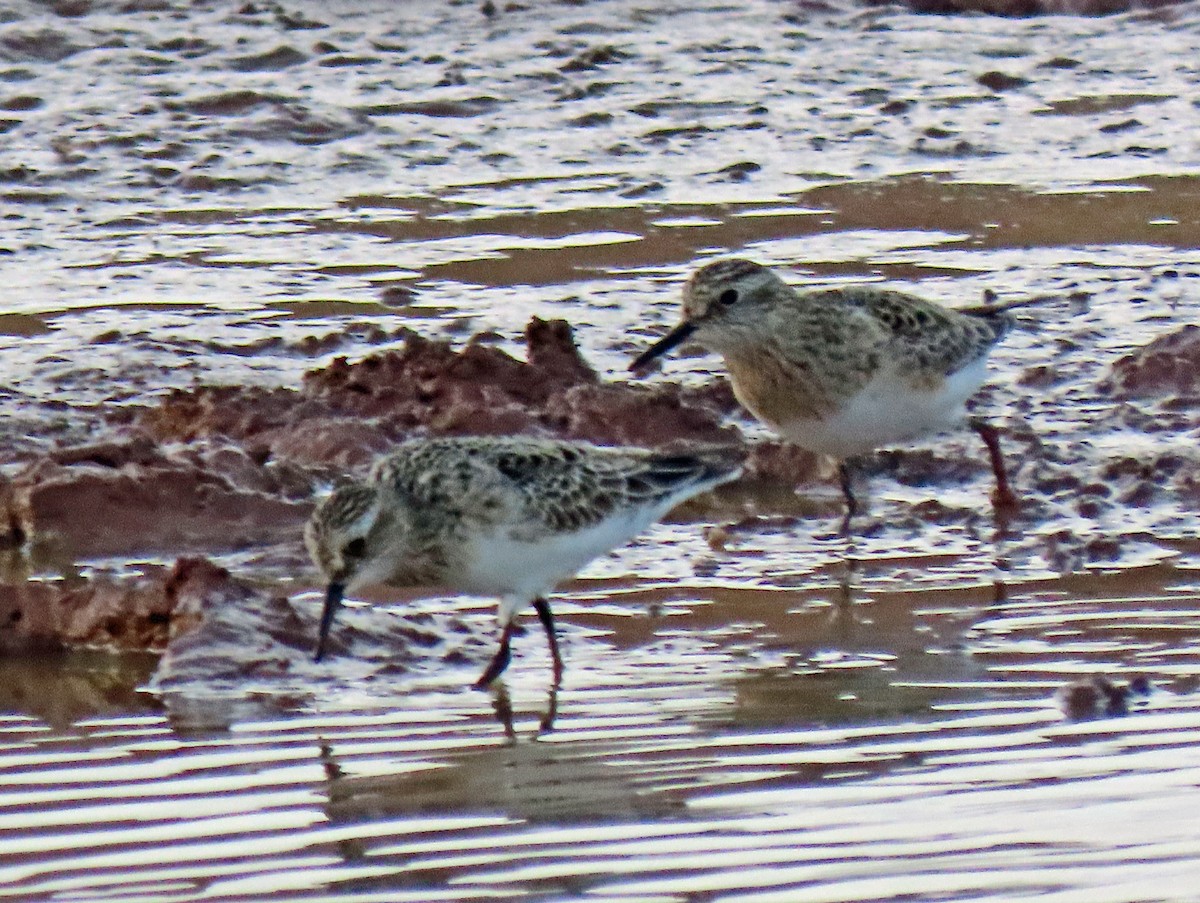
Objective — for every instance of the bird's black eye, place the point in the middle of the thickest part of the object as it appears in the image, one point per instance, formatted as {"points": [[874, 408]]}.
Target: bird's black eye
{"points": [[354, 548], [729, 296]]}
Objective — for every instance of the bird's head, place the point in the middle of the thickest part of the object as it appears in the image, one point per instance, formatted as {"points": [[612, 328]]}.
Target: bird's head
{"points": [[724, 304], [351, 537]]}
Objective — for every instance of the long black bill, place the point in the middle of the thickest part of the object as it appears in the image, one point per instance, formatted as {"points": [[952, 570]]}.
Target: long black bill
{"points": [[676, 336], [333, 598]]}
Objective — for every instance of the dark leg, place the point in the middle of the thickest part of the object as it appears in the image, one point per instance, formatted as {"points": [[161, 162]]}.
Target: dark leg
{"points": [[847, 481], [500, 661], [1004, 497], [547, 618]]}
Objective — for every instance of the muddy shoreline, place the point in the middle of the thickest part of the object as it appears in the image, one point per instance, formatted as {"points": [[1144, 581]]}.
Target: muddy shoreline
{"points": [[222, 468], [249, 245]]}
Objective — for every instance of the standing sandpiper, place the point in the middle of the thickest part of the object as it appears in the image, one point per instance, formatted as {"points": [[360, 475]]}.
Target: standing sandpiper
{"points": [[508, 517], [842, 371]]}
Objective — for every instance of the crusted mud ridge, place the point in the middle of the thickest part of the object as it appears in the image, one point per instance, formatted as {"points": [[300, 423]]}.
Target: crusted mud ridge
{"points": [[224, 632], [215, 629], [231, 467], [226, 468]]}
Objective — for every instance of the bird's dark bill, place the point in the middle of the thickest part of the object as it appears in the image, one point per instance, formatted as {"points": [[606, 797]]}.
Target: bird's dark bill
{"points": [[675, 337], [333, 598]]}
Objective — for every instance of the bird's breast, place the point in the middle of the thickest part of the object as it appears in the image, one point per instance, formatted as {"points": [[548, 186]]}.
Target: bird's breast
{"points": [[779, 392]]}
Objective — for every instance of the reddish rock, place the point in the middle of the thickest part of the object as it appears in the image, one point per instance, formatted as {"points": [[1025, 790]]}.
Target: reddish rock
{"points": [[552, 350], [192, 580], [344, 443], [349, 412], [224, 631], [1170, 365], [234, 411], [427, 379], [148, 613], [100, 613], [623, 414], [785, 463], [136, 497]]}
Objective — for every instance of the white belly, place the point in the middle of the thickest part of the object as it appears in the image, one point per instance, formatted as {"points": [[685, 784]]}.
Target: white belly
{"points": [[888, 412], [519, 571]]}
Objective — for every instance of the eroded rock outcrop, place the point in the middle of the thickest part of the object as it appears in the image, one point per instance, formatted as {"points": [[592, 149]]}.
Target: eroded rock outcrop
{"points": [[223, 631], [136, 495], [1169, 365], [346, 414], [100, 613], [213, 628]]}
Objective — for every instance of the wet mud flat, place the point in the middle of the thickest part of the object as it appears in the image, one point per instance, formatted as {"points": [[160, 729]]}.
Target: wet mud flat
{"points": [[250, 246]]}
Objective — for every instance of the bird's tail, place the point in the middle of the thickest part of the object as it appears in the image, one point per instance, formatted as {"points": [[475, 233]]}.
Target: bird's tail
{"points": [[701, 466], [992, 305]]}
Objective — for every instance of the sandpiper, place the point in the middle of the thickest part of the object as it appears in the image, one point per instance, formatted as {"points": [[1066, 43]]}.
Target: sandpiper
{"points": [[842, 371], [508, 517]]}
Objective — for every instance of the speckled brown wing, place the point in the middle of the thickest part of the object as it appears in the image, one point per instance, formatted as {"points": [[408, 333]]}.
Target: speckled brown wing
{"points": [[929, 335], [566, 489], [448, 479], [541, 484]]}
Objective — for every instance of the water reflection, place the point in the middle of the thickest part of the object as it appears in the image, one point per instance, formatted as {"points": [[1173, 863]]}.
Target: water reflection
{"points": [[60, 689], [878, 721], [502, 706]]}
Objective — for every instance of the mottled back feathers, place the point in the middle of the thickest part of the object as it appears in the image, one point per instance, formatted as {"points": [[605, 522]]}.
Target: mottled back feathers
{"points": [[918, 331], [545, 484]]}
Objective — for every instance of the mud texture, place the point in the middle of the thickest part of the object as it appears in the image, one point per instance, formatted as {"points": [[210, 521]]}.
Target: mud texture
{"points": [[347, 413], [123, 615], [223, 468], [133, 495], [1169, 365], [212, 628], [217, 469], [224, 632], [230, 467]]}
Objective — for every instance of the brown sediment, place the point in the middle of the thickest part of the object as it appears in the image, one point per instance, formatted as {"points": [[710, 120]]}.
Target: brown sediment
{"points": [[99, 613], [260, 625], [223, 629], [348, 412], [430, 387], [211, 625], [429, 383], [136, 496], [783, 462], [228, 467], [1169, 365]]}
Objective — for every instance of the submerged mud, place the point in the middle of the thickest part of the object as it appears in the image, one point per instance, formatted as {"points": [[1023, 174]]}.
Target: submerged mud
{"points": [[228, 467], [228, 637], [217, 634]]}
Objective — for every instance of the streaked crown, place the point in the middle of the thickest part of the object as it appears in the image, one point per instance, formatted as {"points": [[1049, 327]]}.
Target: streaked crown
{"points": [[723, 286], [340, 535]]}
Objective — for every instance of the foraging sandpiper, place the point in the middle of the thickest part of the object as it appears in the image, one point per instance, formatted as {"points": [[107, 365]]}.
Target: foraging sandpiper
{"points": [[508, 517]]}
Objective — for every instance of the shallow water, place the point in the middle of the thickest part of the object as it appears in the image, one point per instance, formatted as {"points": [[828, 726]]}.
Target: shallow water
{"points": [[196, 193]]}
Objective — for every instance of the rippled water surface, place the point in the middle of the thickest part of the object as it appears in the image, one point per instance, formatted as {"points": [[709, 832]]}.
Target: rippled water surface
{"points": [[222, 192]]}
